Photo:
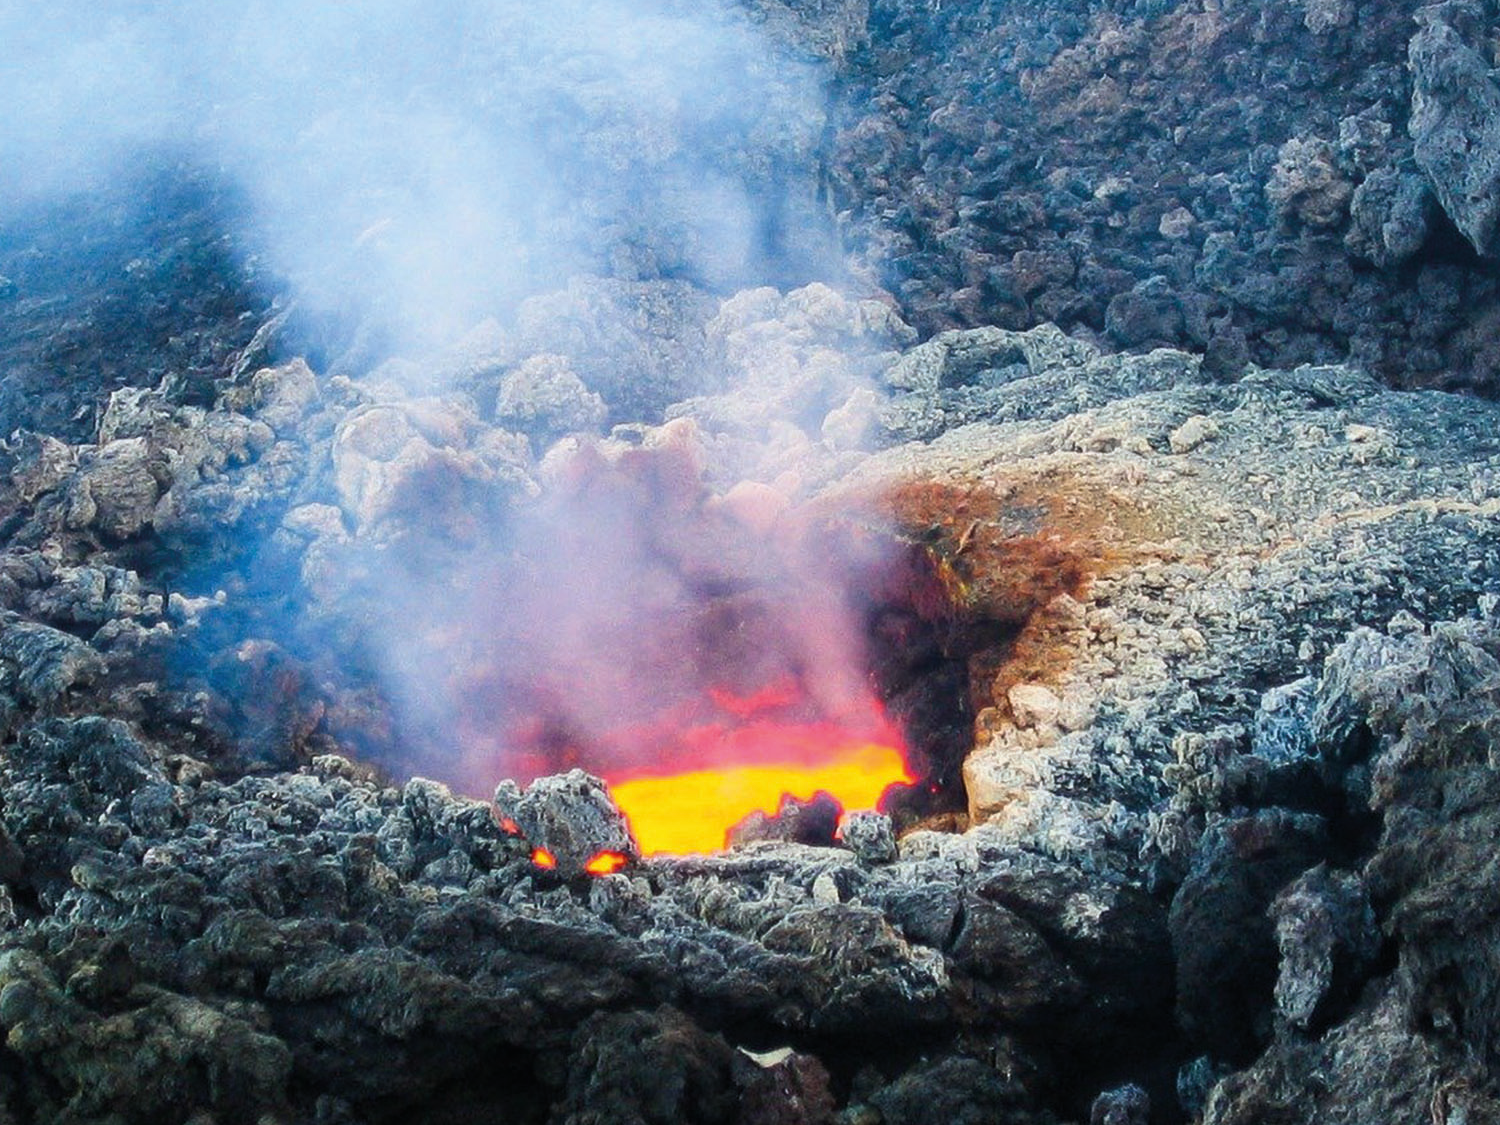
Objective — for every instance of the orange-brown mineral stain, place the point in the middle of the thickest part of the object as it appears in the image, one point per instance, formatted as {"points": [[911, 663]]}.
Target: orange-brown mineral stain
{"points": [[1007, 550]]}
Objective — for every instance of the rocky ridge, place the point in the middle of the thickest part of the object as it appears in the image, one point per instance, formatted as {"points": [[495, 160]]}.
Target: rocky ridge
{"points": [[1286, 183]]}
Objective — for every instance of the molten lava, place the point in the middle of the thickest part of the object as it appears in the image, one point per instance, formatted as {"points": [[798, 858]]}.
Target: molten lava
{"points": [[758, 752], [693, 812], [543, 858]]}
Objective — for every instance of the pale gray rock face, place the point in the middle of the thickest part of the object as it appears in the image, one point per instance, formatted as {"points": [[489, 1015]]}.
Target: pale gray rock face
{"points": [[1264, 518]]}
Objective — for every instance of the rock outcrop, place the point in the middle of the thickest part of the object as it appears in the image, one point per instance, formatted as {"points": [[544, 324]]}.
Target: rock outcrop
{"points": [[1269, 182]]}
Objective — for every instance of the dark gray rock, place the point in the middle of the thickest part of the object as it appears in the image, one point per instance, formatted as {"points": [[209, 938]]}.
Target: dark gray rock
{"points": [[641, 1068], [162, 1052], [570, 816], [1217, 149], [812, 821], [962, 1091], [1124, 1105], [1390, 217], [1195, 1081], [1415, 1043], [1224, 941], [1372, 1067], [1455, 127], [1014, 969], [1149, 315], [39, 665], [869, 836], [1283, 733], [1325, 929]]}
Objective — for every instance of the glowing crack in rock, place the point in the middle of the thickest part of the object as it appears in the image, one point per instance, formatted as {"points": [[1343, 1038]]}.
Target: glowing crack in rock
{"points": [[606, 863]]}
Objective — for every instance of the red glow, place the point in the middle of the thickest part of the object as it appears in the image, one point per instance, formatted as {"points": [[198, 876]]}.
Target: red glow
{"points": [[768, 698], [543, 858], [605, 863], [509, 827]]}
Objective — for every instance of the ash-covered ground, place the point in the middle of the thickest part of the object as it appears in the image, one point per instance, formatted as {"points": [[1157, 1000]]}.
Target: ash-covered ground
{"points": [[1115, 317]]}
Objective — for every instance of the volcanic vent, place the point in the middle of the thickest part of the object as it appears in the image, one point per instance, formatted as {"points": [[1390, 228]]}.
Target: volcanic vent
{"points": [[710, 654]]}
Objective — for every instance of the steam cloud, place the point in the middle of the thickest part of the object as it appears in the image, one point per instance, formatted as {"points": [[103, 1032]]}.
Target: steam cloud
{"points": [[428, 162], [635, 616]]}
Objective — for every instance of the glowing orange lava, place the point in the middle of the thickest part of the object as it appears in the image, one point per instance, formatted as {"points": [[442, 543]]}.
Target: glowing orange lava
{"points": [[693, 811], [605, 863], [685, 776]]}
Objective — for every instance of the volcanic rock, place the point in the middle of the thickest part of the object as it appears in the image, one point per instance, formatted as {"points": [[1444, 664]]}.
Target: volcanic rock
{"points": [[653, 1068], [1224, 941], [794, 1090], [638, 345], [812, 821], [869, 836], [571, 817], [1127, 1105], [392, 460], [1306, 184], [543, 398], [1390, 217], [1455, 127], [962, 1090], [1200, 166], [39, 665], [1238, 569], [1326, 931]]}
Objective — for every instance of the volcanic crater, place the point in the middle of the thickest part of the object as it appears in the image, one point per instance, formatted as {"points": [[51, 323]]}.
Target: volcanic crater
{"points": [[765, 563]]}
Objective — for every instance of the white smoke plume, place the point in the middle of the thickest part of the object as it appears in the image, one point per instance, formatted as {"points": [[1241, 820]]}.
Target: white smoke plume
{"points": [[429, 162]]}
